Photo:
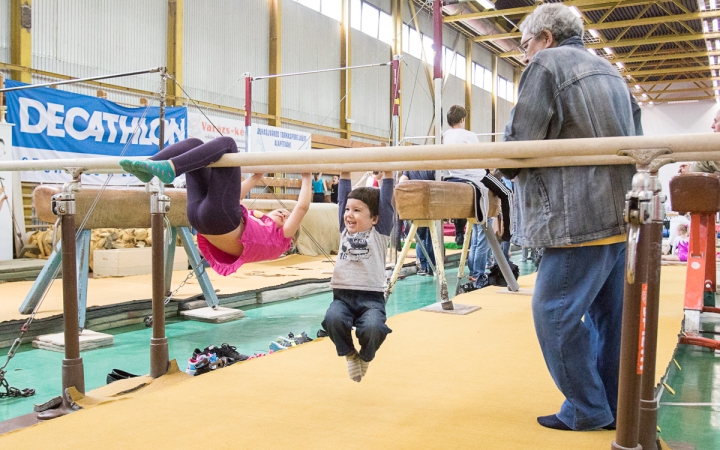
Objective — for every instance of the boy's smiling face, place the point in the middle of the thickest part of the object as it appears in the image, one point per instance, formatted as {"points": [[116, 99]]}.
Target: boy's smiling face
{"points": [[357, 216]]}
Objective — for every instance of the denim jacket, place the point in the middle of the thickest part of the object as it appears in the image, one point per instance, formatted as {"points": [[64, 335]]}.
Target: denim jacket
{"points": [[565, 93]]}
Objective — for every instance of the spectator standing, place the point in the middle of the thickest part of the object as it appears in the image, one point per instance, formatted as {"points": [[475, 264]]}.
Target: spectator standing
{"points": [[574, 213], [319, 188], [334, 189], [423, 233]]}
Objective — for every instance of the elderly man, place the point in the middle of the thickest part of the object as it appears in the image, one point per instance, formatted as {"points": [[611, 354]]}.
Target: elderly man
{"points": [[708, 166], [574, 213]]}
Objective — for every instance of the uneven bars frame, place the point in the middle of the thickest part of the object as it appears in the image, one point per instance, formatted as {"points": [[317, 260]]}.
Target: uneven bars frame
{"points": [[82, 80]]}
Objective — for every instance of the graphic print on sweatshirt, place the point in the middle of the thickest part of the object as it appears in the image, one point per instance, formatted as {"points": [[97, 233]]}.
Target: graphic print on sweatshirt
{"points": [[355, 247]]}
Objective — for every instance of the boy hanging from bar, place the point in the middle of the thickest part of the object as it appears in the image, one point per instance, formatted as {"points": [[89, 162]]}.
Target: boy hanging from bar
{"points": [[359, 279], [228, 234]]}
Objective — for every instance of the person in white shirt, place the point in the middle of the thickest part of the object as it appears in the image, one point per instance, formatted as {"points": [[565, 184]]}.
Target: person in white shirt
{"points": [[457, 134]]}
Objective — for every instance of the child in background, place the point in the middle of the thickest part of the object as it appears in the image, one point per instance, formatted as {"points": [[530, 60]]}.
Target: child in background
{"points": [[680, 245], [228, 234], [359, 280]]}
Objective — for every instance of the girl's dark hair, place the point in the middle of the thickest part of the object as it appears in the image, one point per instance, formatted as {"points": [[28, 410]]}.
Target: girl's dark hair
{"points": [[368, 195]]}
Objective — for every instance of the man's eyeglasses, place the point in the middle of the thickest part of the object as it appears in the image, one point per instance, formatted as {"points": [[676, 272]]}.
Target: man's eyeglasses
{"points": [[524, 45]]}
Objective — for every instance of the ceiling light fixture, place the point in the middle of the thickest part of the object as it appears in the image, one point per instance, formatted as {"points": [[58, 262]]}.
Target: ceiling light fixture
{"points": [[608, 50], [487, 4], [594, 33]]}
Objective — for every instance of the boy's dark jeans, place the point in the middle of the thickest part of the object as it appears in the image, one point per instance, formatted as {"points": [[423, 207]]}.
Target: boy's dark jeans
{"points": [[365, 310]]}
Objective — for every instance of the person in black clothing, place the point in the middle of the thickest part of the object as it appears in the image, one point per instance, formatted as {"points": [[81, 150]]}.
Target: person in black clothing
{"points": [[423, 233], [334, 189]]}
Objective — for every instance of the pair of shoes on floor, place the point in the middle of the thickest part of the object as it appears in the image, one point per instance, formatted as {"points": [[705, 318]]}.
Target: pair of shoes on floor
{"points": [[118, 374], [202, 363], [281, 343], [426, 273], [303, 338], [552, 421], [225, 351]]}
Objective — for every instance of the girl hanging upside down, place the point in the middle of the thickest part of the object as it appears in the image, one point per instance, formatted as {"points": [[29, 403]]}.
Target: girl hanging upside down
{"points": [[228, 234]]}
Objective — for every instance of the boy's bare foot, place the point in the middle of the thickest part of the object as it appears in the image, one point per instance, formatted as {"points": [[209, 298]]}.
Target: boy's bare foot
{"points": [[353, 366]]}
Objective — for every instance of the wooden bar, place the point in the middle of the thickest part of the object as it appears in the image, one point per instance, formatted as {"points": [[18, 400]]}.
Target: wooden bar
{"points": [[545, 153]]}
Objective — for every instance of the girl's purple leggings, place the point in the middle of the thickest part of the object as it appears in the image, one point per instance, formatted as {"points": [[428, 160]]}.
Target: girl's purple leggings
{"points": [[213, 194]]}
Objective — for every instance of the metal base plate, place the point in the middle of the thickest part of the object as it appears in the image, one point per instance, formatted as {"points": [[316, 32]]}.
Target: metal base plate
{"points": [[88, 341], [219, 315], [521, 291], [459, 310]]}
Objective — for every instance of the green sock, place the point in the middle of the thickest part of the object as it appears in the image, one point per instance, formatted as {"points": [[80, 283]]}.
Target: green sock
{"points": [[127, 165], [161, 169]]}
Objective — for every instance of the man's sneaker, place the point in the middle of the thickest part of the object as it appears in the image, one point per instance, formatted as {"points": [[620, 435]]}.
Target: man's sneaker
{"points": [[226, 351], [482, 281], [303, 338]]}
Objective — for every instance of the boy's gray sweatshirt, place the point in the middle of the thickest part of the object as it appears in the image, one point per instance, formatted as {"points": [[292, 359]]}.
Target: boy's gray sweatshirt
{"points": [[360, 263]]}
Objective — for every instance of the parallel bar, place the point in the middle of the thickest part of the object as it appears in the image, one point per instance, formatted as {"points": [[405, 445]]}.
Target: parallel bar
{"points": [[545, 153], [334, 69], [81, 80]]}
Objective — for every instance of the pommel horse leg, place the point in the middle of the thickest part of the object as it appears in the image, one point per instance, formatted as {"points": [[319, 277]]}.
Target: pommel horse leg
{"points": [[445, 301], [502, 262], [401, 259]]}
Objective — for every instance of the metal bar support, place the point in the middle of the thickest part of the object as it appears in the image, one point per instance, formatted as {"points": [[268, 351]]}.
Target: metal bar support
{"points": [[159, 355], [197, 265]]}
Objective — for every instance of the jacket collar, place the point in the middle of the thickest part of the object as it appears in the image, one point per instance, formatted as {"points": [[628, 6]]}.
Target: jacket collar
{"points": [[574, 41]]}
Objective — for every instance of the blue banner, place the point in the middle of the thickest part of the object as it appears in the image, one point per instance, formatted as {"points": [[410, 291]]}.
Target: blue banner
{"points": [[50, 119]]}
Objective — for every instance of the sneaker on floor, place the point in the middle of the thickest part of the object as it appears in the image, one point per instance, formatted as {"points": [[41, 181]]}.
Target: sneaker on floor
{"points": [[303, 338], [226, 351], [281, 343], [482, 281]]}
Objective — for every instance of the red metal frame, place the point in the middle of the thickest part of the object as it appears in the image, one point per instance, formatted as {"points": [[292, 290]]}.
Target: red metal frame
{"points": [[701, 272]]}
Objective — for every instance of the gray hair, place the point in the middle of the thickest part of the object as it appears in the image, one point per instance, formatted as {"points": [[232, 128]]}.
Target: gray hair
{"points": [[557, 18]]}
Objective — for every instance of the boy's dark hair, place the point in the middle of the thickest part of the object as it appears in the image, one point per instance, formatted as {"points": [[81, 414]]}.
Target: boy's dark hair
{"points": [[368, 195], [455, 115]]}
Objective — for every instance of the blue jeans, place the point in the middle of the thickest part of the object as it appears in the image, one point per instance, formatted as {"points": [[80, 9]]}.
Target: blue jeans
{"points": [[583, 357], [365, 310], [423, 235], [478, 253]]}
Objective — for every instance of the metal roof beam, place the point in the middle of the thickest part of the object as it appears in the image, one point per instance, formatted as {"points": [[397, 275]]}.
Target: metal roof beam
{"points": [[678, 99], [652, 72], [618, 24], [586, 5], [686, 80], [662, 56], [642, 41]]}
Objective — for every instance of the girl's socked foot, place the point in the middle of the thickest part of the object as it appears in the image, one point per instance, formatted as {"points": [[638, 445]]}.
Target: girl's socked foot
{"points": [[161, 169], [127, 165], [353, 366]]}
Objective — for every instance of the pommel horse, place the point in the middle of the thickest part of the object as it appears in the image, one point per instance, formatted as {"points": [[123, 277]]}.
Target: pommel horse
{"points": [[423, 202], [117, 208], [699, 195]]}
